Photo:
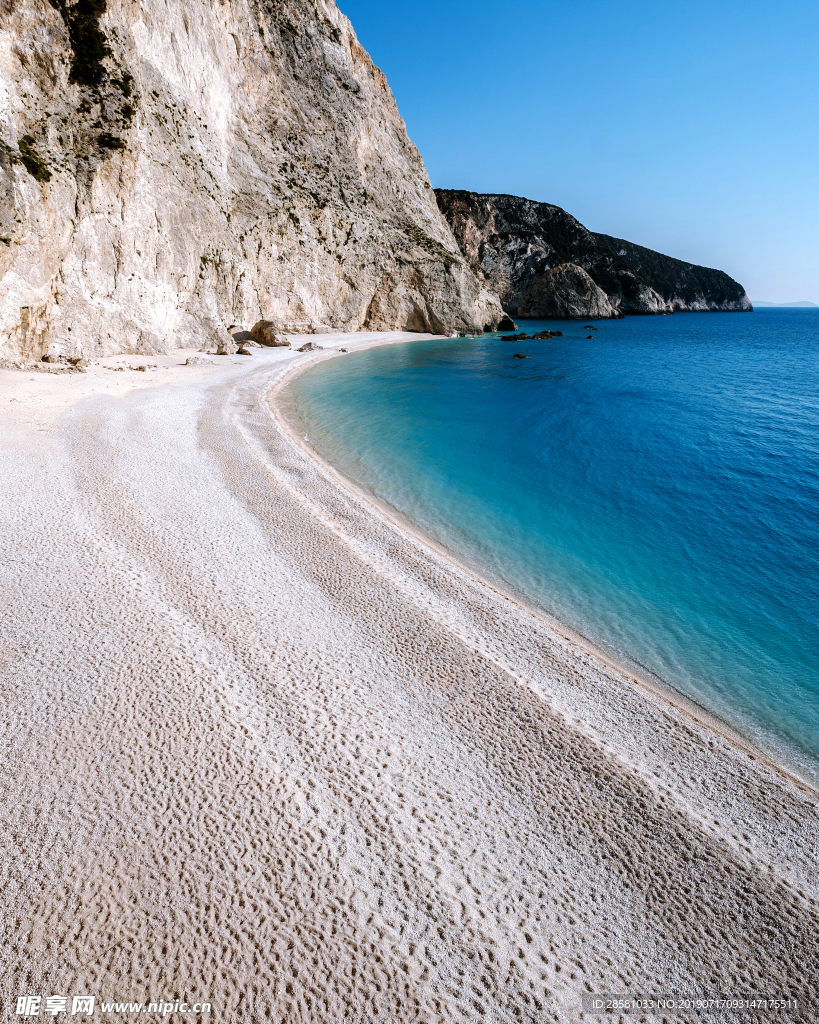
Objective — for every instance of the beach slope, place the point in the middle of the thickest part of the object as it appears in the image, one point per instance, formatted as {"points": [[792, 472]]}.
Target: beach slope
{"points": [[264, 747]]}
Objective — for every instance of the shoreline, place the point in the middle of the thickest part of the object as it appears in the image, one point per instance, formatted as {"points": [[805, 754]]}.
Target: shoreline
{"points": [[267, 748], [283, 406]]}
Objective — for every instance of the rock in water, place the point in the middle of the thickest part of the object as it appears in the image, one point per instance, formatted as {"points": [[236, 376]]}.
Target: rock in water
{"points": [[511, 242], [264, 333], [207, 164]]}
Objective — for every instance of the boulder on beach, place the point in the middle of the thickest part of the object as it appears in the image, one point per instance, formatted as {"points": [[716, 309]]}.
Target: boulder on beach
{"points": [[310, 346], [191, 361], [264, 332]]}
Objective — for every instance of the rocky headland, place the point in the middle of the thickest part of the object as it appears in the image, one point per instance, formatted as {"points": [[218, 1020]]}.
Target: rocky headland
{"points": [[544, 263], [170, 171]]}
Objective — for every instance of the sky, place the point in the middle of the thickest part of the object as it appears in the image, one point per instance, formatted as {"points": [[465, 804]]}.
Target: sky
{"points": [[691, 128]]}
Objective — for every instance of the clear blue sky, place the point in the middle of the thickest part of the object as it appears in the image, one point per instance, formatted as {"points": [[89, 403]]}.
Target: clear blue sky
{"points": [[692, 128]]}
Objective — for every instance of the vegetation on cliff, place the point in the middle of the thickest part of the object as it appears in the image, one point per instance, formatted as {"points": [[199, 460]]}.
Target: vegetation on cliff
{"points": [[31, 159], [88, 42], [271, 177]]}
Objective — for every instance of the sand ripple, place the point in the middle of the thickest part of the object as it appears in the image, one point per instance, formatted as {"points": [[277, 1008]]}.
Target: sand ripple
{"points": [[262, 747]]}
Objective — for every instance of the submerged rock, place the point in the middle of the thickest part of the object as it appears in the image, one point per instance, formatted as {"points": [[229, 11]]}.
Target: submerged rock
{"points": [[519, 355]]}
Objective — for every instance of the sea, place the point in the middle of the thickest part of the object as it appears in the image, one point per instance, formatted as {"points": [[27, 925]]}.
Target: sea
{"points": [[652, 483]]}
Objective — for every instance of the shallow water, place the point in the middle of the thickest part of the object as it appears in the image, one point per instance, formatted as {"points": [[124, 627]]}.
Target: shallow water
{"points": [[655, 487]]}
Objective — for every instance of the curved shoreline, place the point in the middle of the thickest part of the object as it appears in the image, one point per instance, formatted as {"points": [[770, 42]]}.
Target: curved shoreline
{"points": [[283, 406], [266, 748]]}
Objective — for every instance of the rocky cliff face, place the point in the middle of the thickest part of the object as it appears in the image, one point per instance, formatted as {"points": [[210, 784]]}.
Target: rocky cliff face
{"points": [[173, 168], [544, 263], [565, 292]]}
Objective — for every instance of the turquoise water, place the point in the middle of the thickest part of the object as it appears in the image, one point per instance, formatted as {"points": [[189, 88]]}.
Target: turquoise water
{"points": [[655, 487]]}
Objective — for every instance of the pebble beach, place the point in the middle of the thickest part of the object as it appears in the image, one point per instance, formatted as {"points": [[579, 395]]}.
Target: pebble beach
{"points": [[264, 746]]}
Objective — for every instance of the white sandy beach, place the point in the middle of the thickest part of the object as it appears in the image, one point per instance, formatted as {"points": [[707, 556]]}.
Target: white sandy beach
{"points": [[264, 747]]}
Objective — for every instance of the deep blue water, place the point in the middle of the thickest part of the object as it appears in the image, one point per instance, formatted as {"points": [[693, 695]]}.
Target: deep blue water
{"points": [[655, 487]]}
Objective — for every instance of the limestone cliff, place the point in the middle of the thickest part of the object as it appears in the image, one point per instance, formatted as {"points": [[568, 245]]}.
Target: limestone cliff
{"points": [[172, 168], [544, 263], [565, 292]]}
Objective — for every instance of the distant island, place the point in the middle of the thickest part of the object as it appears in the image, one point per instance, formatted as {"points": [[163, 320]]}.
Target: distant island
{"points": [[789, 305]]}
